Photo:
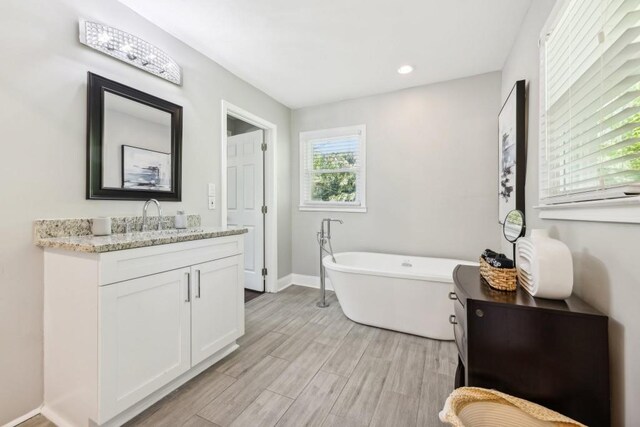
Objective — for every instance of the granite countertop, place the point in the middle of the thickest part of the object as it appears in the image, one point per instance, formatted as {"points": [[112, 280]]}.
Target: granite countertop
{"points": [[118, 242]]}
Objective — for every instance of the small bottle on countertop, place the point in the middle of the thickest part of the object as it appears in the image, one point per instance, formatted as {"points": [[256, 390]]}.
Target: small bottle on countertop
{"points": [[181, 220]]}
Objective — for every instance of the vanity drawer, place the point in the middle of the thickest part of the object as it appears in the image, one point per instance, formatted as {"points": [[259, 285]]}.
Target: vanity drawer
{"points": [[127, 264]]}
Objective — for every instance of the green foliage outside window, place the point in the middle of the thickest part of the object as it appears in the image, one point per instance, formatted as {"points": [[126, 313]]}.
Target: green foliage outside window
{"points": [[633, 148], [334, 186], [630, 151]]}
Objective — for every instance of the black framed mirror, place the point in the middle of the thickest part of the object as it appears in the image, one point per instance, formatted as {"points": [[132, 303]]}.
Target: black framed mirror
{"points": [[134, 143]]}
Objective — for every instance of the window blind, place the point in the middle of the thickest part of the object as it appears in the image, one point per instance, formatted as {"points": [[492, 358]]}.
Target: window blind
{"points": [[590, 102], [332, 170]]}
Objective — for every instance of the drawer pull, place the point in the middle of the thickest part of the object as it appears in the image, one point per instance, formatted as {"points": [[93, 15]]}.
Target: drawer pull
{"points": [[453, 296], [198, 294], [188, 288], [452, 319], [479, 313]]}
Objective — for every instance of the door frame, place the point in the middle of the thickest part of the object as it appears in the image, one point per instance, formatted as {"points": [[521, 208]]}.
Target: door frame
{"points": [[270, 184]]}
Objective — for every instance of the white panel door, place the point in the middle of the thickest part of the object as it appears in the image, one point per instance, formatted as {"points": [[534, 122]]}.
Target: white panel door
{"points": [[145, 336], [217, 310], [245, 198]]}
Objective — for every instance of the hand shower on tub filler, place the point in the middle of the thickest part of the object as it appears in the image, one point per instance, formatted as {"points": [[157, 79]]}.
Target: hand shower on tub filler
{"points": [[324, 239]]}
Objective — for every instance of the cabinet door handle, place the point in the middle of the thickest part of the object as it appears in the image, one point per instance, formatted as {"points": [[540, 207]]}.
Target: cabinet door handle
{"points": [[452, 319], [453, 296], [188, 288], [198, 294]]}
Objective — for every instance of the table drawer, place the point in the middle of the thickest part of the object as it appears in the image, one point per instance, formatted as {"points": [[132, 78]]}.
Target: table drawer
{"points": [[459, 330], [458, 294], [461, 314]]}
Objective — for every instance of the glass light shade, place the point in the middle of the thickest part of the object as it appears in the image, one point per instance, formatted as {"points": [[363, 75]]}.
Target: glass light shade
{"points": [[405, 69], [130, 49]]}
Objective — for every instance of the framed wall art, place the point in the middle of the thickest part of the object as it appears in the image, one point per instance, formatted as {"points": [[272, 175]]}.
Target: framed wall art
{"points": [[512, 152]]}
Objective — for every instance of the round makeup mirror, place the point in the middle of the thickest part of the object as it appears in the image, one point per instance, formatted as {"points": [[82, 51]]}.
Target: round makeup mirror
{"points": [[514, 226]]}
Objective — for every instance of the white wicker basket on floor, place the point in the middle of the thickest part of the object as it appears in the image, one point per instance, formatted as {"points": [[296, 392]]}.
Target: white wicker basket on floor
{"points": [[480, 407]]}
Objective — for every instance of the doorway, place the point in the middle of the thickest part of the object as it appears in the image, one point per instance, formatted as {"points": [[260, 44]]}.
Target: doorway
{"points": [[248, 193], [245, 196]]}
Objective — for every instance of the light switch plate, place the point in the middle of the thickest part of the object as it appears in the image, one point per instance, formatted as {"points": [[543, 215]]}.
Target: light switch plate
{"points": [[212, 203], [212, 190]]}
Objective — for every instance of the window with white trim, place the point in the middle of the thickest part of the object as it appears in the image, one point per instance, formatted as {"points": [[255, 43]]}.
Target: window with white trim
{"points": [[332, 169], [590, 102]]}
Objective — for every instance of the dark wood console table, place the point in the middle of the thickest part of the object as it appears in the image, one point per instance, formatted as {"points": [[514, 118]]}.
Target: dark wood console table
{"points": [[554, 353]]}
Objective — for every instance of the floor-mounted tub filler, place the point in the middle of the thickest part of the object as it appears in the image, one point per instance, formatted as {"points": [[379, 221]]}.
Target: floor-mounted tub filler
{"points": [[402, 293]]}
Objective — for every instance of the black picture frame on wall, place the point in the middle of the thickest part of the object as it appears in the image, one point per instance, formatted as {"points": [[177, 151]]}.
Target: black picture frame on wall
{"points": [[512, 152], [97, 86]]}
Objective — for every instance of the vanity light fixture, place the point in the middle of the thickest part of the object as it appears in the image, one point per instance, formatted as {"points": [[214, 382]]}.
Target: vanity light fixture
{"points": [[130, 49], [104, 38], [405, 69]]}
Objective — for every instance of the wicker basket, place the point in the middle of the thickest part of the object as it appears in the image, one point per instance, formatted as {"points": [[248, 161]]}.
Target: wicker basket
{"points": [[474, 406], [502, 279]]}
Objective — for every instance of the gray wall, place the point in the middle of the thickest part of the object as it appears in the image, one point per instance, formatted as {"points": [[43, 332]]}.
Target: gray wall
{"points": [[431, 172], [43, 94], [605, 255]]}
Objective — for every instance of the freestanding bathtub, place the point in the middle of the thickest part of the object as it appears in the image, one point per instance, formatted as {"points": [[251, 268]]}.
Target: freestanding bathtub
{"points": [[402, 293]]}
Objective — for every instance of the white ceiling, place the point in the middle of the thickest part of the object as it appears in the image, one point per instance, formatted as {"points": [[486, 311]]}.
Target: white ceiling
{"points": [[309, 52]]}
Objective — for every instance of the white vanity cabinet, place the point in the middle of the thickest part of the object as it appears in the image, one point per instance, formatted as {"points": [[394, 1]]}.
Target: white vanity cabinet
{"points": [[124, 328]]}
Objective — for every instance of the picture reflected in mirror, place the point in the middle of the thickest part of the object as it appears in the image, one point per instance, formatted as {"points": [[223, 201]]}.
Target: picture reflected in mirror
{"points": [[145, 169]]}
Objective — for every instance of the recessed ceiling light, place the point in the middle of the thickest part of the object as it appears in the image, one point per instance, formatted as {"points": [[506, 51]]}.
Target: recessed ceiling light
{"points": [[405, 69]]}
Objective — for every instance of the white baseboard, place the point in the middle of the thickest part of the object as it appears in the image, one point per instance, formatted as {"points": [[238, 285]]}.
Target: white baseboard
{"points": [[24, 417], [310, 281], [284, 282], [54, 417]]}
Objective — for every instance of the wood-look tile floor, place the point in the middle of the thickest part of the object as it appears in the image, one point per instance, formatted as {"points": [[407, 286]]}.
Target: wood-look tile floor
{"points": [[37, 421], [299, 365]]}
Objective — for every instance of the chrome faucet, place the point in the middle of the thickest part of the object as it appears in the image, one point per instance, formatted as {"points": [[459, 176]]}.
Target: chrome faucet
{"points": [[145, 226], [327, 234], [324, 238]]}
